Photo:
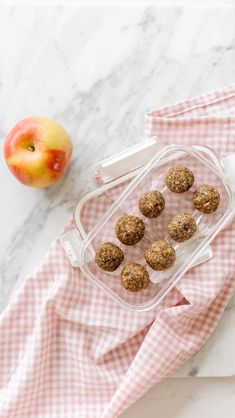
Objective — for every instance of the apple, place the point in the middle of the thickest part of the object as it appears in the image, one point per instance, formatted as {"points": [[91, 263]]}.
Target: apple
{"points": [[37, 151]]}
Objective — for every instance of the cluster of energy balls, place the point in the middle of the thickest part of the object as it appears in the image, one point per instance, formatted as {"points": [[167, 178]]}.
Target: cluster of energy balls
{"points": [[159, 255]]}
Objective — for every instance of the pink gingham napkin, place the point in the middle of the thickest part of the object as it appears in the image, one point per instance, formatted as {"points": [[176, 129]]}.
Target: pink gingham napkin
{"points": [[69, 351]]}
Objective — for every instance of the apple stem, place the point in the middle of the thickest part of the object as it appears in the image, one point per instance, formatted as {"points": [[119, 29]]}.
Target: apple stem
{"points": [[31, 148]]}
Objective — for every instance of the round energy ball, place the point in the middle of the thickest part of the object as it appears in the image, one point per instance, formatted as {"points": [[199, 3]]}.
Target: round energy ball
{"points": [[179, 179], [134, 277], [160, 255], [109, 256], [206, 199], [130, 229], [182, 227], [151, 204]]}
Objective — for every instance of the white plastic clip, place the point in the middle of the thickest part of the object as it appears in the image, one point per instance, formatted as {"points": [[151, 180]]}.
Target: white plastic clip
{"points": [[71, 241], [206, 255], [228, 164], [128, 160]]}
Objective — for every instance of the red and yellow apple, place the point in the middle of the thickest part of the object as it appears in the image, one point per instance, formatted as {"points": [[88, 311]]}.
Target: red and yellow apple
{"points": [[38, 151]]}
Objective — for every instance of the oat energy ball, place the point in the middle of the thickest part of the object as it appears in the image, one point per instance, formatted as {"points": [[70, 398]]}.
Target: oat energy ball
{"points": [[182, 227], [134, 277], [109, 256], [151, 204], [179, 179], [130, 229], [160, 255], [206, 199]]}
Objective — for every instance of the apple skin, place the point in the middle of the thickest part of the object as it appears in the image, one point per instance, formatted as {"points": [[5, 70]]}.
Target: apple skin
{"points": [[38, 151]]}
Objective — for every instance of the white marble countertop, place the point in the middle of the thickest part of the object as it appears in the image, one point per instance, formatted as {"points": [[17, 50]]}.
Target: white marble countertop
{"points": [[97, 71]]}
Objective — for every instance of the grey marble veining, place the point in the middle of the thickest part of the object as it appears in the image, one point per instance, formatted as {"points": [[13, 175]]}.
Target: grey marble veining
{"points": [[97, 70]]}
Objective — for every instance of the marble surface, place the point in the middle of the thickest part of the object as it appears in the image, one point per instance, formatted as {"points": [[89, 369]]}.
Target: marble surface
{"points": [[97, 70]]}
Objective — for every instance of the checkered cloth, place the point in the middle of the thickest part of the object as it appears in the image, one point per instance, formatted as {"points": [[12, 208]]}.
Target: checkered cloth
{"points": [[67, 350]]}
